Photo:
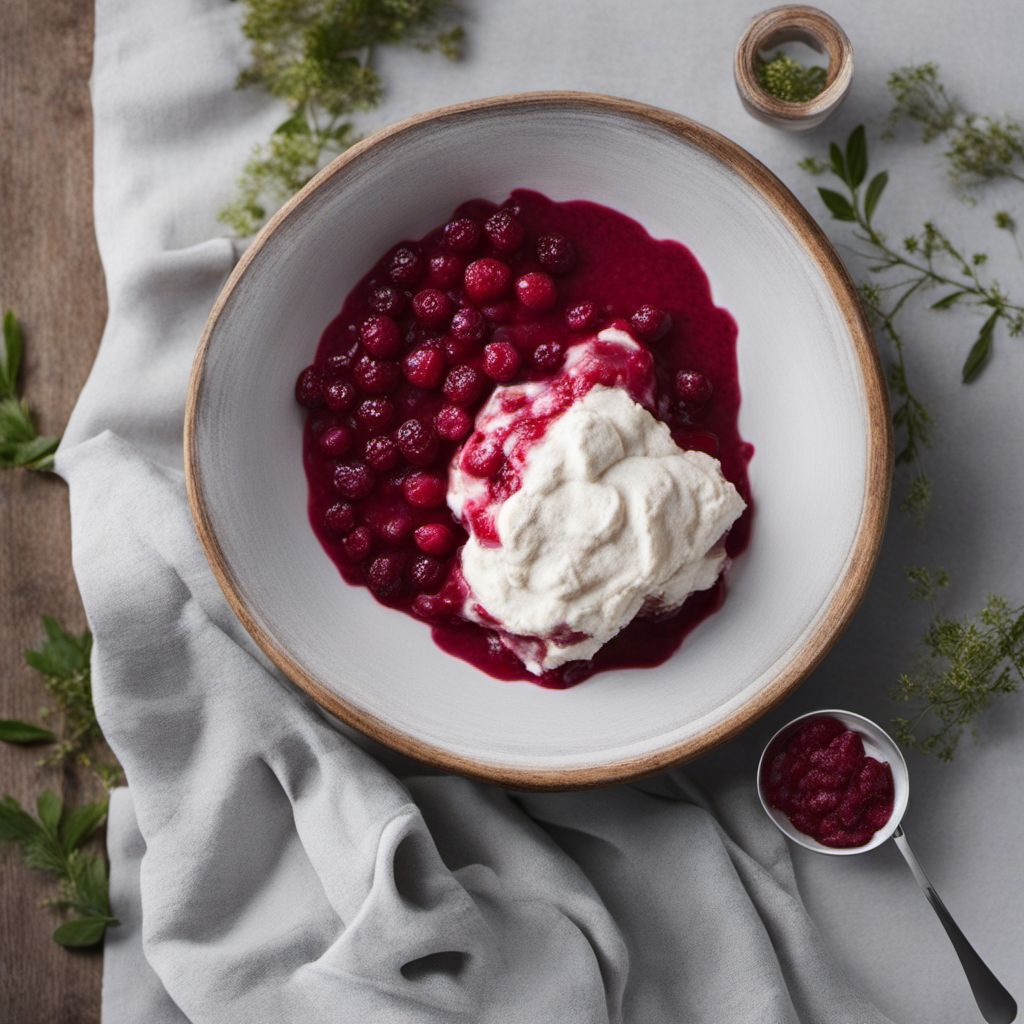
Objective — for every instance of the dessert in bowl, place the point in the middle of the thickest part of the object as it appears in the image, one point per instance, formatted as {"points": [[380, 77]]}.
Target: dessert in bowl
{"points": [[522, 429], [488, 545]]}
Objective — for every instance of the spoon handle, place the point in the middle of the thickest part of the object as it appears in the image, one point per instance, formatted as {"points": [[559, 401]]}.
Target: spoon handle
{"points": [[996, 1004]]}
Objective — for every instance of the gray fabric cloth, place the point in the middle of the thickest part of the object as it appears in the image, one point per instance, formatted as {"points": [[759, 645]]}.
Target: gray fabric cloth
{"points": [[271, 867]]}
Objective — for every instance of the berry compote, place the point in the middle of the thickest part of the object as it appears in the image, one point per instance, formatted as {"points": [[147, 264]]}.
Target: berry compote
{"points": [[496, 295], [822, 780]]}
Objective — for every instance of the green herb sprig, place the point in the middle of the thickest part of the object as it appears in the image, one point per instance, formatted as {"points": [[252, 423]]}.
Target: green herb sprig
{"points": [[788, 80], [51, 842], [317, 55], [21, 444], [926, 259], [63, 662], [979, 149], [967, 664]]}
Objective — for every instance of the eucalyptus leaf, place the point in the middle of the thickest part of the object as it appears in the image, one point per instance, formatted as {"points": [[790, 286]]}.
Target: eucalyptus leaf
{"points": [[856, 157], [13, 347], [81, 823], [835, 158], [13, 731], [874, 192], [82, 931], [49, 807], [839, 206], [948, 300], [981, 351]]}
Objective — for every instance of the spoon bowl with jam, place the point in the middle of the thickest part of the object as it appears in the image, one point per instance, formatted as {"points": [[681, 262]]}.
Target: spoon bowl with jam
{"points": [[836, 783]]}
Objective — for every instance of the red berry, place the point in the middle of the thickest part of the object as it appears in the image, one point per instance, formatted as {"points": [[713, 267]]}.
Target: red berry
{"points": [[453, 423], [435, 539], [431, 307], [500, 312], [335, 441], [386, 299], [536, 291], [445, 270], [308, 388], [340, 396], [394, 530], [651, 323], [375, 376], [381, 453], [581, 316], [381, 336], [462, 234], [425, 573], [353, 480], [340, 517], [548, 356], [463, 385], [424, 490], [468, 325], [486, 279], [417, 442], [501, 361], [484, 458], [457, 351], [692, 386], [358, 544], [556, 253], [376, 414], [385, 573], [405, 265], [503, 231], [423, 367]]}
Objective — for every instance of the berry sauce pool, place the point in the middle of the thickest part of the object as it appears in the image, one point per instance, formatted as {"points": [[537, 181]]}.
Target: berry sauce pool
{"points": [[420, 344], [822, 780]]}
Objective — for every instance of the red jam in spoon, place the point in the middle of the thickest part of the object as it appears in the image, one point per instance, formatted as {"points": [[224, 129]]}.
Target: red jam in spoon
{"points": [[822, 780]]}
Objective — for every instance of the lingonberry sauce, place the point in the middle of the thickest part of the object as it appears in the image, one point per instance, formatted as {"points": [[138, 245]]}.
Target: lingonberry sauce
{"points": [[498, 294], [822, 780]]}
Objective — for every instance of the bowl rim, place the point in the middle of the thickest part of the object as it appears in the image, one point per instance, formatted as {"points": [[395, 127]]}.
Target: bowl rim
{"points": [[867, 542]]}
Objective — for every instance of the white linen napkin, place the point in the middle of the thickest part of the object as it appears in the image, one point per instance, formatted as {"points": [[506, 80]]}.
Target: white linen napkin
{"points": [[268, 866]]}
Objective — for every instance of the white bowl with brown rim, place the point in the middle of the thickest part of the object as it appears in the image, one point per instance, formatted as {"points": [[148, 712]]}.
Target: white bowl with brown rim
{"points": [[813, 405]]}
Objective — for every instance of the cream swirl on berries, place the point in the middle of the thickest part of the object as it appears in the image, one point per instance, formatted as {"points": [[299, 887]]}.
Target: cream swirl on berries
{"points": [[582, 511]]}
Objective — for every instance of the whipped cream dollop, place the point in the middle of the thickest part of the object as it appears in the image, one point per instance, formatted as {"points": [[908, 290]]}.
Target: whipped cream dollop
{"points": [[610, 517]]}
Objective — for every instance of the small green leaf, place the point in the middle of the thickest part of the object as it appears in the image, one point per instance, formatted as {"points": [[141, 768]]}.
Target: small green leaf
{"points": [[16, 824], [81, 823], [856, 157], [49, 807], [294, 125], [838, 205], [82, 931], [980, 352], [835, 158], [13, 346], [874, 192], [13, 731], [948, 300]]}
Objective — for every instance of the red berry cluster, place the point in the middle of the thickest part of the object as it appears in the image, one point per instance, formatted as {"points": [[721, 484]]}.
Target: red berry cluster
{"points": [[423, 341]]}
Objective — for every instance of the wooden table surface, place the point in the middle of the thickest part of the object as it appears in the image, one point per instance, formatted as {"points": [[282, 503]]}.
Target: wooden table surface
{"points": [[50, 275]]}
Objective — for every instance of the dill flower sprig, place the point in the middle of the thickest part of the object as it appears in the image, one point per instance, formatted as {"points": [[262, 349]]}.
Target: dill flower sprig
{"points": [[979, 149], [317, 56], [63, 662], [967, 664], [787, 79]]}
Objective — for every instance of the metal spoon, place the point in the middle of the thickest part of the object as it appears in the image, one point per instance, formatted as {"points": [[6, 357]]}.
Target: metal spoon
{"points": [[996, 1004]]}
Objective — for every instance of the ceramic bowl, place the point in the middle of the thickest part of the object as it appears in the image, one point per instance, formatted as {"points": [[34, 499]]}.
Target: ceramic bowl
{"points": [[813, 406]]}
